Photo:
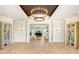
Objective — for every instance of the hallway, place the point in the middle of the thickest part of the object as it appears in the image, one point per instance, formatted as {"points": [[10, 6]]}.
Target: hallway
{"points": [[38, 47]]}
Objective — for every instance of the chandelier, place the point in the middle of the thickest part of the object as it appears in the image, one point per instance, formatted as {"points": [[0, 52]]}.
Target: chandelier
{"points": [[35, 12]]}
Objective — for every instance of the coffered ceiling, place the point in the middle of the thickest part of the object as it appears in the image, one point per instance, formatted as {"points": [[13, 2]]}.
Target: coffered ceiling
{"points": [[50, 8]]}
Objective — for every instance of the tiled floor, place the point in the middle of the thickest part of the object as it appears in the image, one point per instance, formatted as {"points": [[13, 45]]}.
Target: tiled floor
{"points": [[38, 47]]}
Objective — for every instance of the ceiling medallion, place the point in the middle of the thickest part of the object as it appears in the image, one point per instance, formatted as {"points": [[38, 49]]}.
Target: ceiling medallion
{"points": [[35, 12]]}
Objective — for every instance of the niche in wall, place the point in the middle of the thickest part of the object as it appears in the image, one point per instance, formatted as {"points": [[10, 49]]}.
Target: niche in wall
{"points": [[72, 36], [5, 34]]}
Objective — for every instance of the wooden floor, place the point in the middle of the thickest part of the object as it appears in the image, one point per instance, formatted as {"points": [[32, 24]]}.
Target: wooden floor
{"points": [[39, 47]]}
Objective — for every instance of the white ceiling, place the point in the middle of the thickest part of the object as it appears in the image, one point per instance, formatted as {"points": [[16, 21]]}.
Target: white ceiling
{"points": [[16, 13], [13, 11], [65, 11]]}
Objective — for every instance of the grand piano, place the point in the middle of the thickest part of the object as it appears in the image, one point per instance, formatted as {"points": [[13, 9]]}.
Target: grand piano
{"points": [[38, 34]]}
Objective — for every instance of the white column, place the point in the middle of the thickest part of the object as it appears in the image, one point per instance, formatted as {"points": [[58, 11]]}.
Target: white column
{"points": [[28, 33], [12, 41], [50, 32]]}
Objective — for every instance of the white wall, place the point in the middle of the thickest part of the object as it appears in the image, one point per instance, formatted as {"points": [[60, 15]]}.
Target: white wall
{"points": [[6, 19], [58, 31], [72, 19], [59, 16], [19, 35]]}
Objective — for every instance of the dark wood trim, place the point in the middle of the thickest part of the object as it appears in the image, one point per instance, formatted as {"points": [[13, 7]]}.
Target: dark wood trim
{"points": [[54, 10], [23, 10], [27, 12]]}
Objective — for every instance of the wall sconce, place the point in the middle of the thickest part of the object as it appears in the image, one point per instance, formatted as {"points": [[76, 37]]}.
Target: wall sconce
{"points": [[57, 29], [21, 28]]}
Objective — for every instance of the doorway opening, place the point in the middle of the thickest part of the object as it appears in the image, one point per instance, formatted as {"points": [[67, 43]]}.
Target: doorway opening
{"points": [[39, 32]]}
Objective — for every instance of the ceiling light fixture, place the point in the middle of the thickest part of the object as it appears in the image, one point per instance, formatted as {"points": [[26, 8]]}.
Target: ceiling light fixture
{"points": [[35, 12]]}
